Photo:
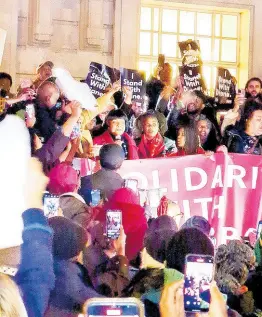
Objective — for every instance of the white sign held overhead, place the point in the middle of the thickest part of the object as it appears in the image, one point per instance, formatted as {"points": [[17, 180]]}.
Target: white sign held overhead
{"points": [[73, 89]]}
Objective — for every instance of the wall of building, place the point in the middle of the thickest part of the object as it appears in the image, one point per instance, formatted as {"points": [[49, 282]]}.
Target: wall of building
{"points": [[72, 33]]}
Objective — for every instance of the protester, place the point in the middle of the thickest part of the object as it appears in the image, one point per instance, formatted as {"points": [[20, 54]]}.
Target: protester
{"points": [[183, 243], [47, 97], [161, 79], [74, 208], [133, 218], [193, 104], [44, 71], [207, 134], [188, 141], [35, 276], [6, 83], [72, 285], [233, 262], [106, 262], [60, 262], [247, 139], [199, 223], [172, 301], [63, 179], [152, 143], [117, 124], [106, 180], [253, 87], [148, 283], [235, 116], [158, 235], [133, 109]]}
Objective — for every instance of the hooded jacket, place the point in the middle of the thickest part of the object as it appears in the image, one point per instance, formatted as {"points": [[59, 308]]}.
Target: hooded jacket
{"points": [[133, 218], [237, 141], [72, 288]]}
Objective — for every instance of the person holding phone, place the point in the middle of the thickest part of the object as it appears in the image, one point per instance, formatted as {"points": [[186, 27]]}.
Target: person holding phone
{"points": [[50, 152], [106, 261], [148, 283], [172, 301], [133, 218], [194, 104], [234, 117], [247, 139]]}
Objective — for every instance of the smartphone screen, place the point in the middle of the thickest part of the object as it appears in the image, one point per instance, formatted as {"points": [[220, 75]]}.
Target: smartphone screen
{"points": [[142, 196], [113, 223], [259, 228], [95, 197], [30, 110], [51, 205], [76, 131], [198, 276], [119, 309], [153, 197], [132, 184]]}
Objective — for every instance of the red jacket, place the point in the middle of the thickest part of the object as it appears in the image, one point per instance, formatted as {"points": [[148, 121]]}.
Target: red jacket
{"points": [[133, 218], [106, 138]]}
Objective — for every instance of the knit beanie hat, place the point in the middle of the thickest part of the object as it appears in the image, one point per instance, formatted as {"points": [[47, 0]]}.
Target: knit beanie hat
{"points": [[111, 156], [63, 179], [69, 238], [158, 235], [198, 222], [184, 242], [14, 159]]}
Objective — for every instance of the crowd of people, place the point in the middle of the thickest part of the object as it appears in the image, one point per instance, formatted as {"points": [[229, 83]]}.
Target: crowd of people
{"points": [[51, 266]]}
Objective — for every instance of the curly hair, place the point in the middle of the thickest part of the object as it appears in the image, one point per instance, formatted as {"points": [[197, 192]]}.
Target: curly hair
{"points": [[251, 106], [144, 281], [152, 114], [232, 265]]}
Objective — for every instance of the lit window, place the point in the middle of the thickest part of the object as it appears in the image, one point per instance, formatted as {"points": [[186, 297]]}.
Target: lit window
{"points": [[161, 28]]}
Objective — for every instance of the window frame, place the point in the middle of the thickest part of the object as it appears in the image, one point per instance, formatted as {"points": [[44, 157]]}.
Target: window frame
{"points": [[177, 60]]}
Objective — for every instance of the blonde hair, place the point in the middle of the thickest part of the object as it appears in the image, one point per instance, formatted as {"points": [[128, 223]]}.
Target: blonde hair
{"points": [[11, 303]]}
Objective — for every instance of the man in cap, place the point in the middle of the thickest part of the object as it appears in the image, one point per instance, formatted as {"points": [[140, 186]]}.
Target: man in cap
{"points": [[107, 180]]}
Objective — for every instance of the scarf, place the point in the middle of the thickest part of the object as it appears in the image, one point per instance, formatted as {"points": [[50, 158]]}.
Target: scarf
{"points": [[151, 148]]}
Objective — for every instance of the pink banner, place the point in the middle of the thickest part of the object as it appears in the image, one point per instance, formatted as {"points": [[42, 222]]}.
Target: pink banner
{"points": [[224, 189]]}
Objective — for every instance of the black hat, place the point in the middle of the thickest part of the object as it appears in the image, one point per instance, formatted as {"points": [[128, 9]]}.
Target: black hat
{"points": [[184, 242], [111, 156], [158, 235], [198, 222], [69, 238]]}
